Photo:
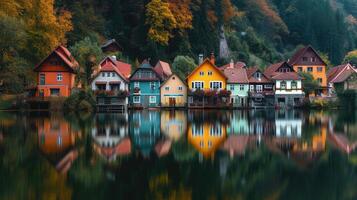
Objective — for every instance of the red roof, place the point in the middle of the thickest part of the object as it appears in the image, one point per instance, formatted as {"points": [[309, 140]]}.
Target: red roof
{"points": [[163, 69], [236, 75], [66, 56], [108, 65], [273, 72], [269, 71], [295, 59], [340, 73], [121, 67], [251, 71], [236, 65], [286, 76]]}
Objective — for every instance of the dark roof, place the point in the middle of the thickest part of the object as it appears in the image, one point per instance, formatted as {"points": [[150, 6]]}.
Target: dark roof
{"points": [[301, 52], [340, 73], [111, 42], [251, 71], [64, 54], [145, 65], [269, 71]]}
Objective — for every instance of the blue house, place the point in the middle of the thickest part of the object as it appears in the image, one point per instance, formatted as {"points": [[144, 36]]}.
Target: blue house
{"points": [[144, 87]]}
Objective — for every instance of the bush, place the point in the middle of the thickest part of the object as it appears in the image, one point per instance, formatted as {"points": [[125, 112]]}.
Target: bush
{"points": [[80, 101]]}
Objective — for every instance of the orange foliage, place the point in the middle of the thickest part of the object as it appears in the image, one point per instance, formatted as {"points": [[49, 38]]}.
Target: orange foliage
{"points": [[212, 18], [228, 10], [181, 11]]}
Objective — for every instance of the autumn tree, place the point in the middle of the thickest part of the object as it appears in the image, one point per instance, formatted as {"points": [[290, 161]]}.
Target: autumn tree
{"points": [[182, 13], [160, 20]]}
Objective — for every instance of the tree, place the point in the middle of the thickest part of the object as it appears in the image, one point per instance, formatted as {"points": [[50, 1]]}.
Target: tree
{"points": [[161, 21], [351, 57], [88, 53], [309, 83], [183, 65], [324, 57]]}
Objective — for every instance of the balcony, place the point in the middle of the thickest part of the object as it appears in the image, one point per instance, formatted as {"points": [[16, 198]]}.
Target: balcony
{"points": [[260, 94]]}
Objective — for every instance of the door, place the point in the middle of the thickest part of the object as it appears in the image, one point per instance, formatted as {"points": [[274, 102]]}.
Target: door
{"points": [[172, 101]]}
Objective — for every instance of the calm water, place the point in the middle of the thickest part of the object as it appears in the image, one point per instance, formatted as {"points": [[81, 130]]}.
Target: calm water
{"points": [[179, 155]]}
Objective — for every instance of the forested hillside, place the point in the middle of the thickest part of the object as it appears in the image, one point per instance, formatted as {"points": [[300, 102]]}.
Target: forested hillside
{"points": [[257, 32]]}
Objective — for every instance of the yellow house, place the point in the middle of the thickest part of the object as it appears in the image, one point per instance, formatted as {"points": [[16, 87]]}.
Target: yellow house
{"points": [[308, 60], [207, 77], [206, 137], [173, 92]]}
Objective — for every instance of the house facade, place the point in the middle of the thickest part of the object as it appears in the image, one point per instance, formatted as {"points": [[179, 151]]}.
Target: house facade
{"points": [[237, 84], [261, 88], [204, 83], [342, 78], [288, 84], [56, 74], [173, 92], [144, 87], [308, 60]]}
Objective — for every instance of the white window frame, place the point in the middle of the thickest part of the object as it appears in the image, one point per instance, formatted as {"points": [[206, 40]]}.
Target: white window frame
{"points": [[202, 73], [103, 74], [259, 88], [136, 100], [241, 87], [152, 85], [136, 84], [167, 88], [251, 88], [113, 74], [180, 88], [209, 73], [231, 87], [152, 99], [59, 77], [193, 84], [213, 82]]}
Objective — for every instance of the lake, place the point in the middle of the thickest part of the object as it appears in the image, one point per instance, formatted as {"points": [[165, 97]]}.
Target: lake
{"points": [[256, 154]]}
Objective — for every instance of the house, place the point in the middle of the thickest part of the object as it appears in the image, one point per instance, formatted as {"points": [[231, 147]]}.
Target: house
{"points": [[207, 86], [111, 46], [237, 83], [56, 74], [288, 84], [145, 87], [173, 92], [341, 78], [308, 60], [173, 124], [261, 88], [111, 84], [163, 69]]}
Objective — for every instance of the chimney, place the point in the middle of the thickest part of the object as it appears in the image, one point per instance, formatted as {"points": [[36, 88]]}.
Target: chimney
{"points": [[212, 59], [231, 64], [114, 57], [200, 58]]}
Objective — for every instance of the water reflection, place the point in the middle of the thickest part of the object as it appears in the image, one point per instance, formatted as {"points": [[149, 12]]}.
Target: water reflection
{"points": [[256, 154]]}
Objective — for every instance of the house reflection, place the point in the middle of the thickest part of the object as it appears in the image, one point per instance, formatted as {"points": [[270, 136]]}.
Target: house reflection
{"points": [[111, 136], [205, 133], [173, 124], [56, 140], [261, 122], [288, 123], [144, 130], [238, 123]]}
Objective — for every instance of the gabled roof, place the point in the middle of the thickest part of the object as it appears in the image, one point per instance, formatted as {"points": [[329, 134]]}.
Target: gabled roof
{"points": [[111, 42], [110, 67], [124, 68], [169, 78], [236, 75], [340, 73], [300, 53], [273, 73], [64, 54], [251, 71], [145, 65], [273, 69], [210, 63], [163, 68], [286, 76]]}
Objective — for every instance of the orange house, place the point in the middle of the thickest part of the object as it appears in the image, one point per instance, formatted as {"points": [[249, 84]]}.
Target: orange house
{"points": [[308, 60], [56, 73]]}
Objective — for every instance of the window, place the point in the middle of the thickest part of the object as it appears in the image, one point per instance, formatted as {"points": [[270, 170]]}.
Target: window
{"points": [[42, 79], [299, 69], [251, 88], [59, 140], [103, 74], [152, 85], [309, 69], [231, 87], [319, 69], [167, 88], [136, 84], [293, 84], [55, 92], [215, 130], [108, 74], [259, 88], [283, 85], [136, 99], [304, 59], [241, 87], [113, 74], [152, 99], [197, 130], [180, 88], [202, 73], [313, 59], [216, 85], [59, 77], [258, 75], [319, 80], [268, 86], [197, 85], [210, 73]]}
